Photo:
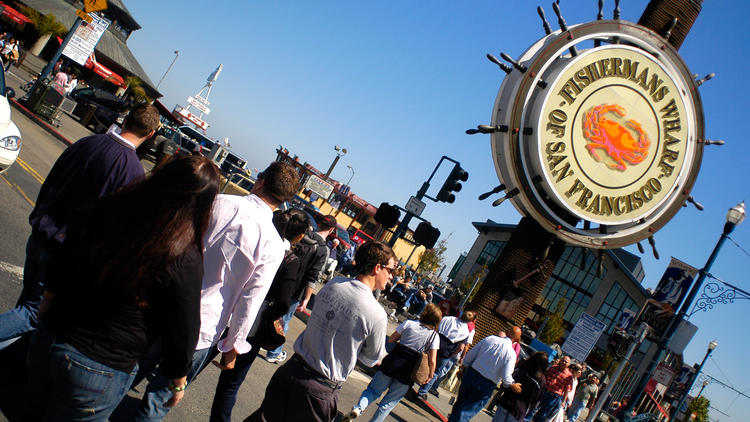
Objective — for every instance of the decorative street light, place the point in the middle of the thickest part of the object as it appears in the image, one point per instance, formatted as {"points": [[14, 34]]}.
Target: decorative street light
{"points": [[711, 346], [735, 216], [176, 54], [339, 153], [705, 383], [350, 177]]}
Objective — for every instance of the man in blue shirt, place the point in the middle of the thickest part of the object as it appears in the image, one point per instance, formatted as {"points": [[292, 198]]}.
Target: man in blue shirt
{"points": [[89, 169]]}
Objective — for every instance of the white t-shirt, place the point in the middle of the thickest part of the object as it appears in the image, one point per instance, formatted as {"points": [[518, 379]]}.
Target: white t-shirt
{"points": [[415, 336], [455, 329], [347, 323]]}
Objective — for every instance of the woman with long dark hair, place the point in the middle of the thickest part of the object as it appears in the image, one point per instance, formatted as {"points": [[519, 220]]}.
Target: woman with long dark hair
{"points": [[129, 273], [513, 407]]}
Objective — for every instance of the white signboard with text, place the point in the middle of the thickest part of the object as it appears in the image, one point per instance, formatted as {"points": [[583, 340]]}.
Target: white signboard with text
{"points": [[319, 186], [83, 41], [584, 336]]}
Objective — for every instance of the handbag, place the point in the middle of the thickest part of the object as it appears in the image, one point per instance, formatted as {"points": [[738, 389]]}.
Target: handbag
{"points": [[270, 333], [421, 372]]}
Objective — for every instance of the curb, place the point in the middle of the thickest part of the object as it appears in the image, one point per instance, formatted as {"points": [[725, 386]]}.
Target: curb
{"points": [[412, 396], [38, 120]]}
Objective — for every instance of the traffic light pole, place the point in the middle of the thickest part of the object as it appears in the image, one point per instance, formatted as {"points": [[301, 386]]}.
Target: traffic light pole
{"points": [[422, 193]]}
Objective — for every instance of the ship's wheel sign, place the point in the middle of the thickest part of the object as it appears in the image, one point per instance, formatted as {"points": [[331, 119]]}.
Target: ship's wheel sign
{"points": [[596, 133]]}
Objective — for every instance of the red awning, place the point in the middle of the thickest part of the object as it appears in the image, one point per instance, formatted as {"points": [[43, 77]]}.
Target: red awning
{"points": [[105, 72], [14, 15]]}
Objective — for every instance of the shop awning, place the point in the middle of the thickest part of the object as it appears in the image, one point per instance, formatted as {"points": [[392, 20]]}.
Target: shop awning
{"points": [[105, 72], [13, 14]]}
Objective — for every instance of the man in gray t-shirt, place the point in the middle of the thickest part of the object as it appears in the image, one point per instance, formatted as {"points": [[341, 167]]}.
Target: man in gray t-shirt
{"points": [[346, 324]]}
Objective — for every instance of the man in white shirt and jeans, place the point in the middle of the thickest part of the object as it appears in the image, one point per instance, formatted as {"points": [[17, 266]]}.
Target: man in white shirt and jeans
{"points": [[489, 362], [346, 324], [242, 251]]}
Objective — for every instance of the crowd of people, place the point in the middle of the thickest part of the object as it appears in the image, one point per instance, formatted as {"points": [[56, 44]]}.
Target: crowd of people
{"points": [[129, 276]]}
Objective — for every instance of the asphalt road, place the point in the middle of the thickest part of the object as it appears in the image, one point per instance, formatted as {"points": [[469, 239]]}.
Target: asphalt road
{"points": [[19, 187]]}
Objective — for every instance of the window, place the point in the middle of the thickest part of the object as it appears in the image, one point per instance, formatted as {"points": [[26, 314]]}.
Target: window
{"points": [[617, 300], [350, 209], [490, 252]]}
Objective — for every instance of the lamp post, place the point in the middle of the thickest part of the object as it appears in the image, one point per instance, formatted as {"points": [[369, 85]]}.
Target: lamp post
{"points": [[705, 383], [735, 216], [339, 153], [711, 346], [176, 54], [350, 177]]}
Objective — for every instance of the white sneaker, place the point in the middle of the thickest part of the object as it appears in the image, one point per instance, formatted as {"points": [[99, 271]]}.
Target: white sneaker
{"points": [[281, 358], [351, 415]]}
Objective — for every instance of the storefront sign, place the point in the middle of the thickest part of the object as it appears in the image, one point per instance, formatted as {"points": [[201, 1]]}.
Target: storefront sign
{"points": [[319, 186]]}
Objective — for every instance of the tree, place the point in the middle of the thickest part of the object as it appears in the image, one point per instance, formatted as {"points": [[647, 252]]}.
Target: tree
{"points": [[135, 89], [45, 25], [555, 327], [470, 280], [432, 259], [699, 406]]}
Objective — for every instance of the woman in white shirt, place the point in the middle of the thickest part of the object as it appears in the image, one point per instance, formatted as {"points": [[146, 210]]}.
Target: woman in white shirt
{"points": [[412, 338]]}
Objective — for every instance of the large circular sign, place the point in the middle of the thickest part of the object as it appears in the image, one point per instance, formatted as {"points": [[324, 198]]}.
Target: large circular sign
{"points": [[603, 143]]}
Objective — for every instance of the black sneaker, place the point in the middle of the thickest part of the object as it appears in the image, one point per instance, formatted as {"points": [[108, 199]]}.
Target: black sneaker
{"points": [[422, 396], [435, 393]]}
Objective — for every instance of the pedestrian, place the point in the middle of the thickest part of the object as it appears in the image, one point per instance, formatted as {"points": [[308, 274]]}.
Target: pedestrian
{"points": [[292, 226], [114, 289], [586, 394], [412, 338], [313, 253], [346, 325], [455, 335], [242, 251], [92, 167], [60, 80], [488, 363], [512, 406], [559, 380], [72, 83]]}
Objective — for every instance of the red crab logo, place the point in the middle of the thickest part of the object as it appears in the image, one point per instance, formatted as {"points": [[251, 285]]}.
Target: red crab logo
{"points": [[614, 138]]}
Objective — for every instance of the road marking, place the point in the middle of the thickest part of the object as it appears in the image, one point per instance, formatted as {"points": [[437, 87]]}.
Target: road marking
{"points": [[6, 181], [19, 190], [35, 174], [12, 269]]}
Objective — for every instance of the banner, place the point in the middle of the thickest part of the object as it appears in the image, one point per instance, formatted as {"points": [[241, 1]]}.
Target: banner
{"points": [[85, 38], [659, 310]]}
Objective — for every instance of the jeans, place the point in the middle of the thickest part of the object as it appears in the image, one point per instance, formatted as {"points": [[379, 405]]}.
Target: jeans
{"points": [[229, 385], [157, 393], [78, 388], [548, 405], [575, 409], [23, 318], [380, 382], [502, 415], [275, 353], [442, 368], [473, 395]]}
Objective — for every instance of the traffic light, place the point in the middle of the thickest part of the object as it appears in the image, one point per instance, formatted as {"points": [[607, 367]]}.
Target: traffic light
{"points": [[618, 343], [387, 215], [426, 235], [452, 184]]}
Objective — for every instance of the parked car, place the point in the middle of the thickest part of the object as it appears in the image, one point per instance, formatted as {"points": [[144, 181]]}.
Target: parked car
{"points": [[201, 143], [10, 136], [359, 237], [166, 140], [98, 108]]}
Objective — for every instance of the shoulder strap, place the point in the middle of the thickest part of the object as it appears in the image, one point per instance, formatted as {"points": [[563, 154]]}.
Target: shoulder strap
{"points": [[429, 341]]}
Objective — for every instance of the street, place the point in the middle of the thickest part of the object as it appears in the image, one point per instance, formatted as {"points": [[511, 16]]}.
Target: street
{"points": [[20, 186]]}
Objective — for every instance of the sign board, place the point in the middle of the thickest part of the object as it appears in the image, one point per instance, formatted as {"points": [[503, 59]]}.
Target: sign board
{"points": [[190, 117], [83, 41], [681, 380], [197, 104], [626, 320], [415, 206], [584, 336], [663, 374], [319, 186], [83, 15], [685, 332], [94, 5], [659, 310]]}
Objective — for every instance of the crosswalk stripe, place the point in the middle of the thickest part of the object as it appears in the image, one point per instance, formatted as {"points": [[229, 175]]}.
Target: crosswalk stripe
{"points": [[12, 269]]}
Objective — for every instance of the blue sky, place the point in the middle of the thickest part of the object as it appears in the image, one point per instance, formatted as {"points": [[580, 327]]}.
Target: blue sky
{"points": [[397, 83]]}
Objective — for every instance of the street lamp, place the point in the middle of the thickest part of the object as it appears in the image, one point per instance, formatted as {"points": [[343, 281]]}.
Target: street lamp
{"points": [[350, 177], [735, 216], [705, 383], [711, 346], [176, 54], [339, 153]]}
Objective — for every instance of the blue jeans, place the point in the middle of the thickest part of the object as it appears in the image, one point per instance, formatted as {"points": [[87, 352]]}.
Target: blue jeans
{"points": [[275, 353], [502, 415], [157, 393], [23, 318], [549, 404], [78, 388], [380, 382], [473, 395], [229, 385], [575, 409], [442, 368]]}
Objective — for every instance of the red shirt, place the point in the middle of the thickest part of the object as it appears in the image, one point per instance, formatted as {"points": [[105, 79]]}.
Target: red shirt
{"points": [[558, 380]]}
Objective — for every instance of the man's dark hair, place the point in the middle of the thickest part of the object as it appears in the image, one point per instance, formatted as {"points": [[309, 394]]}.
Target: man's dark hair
{"points": [[326, 223], [141, 120], [371, 254], [281, 181], [291, 223]]}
